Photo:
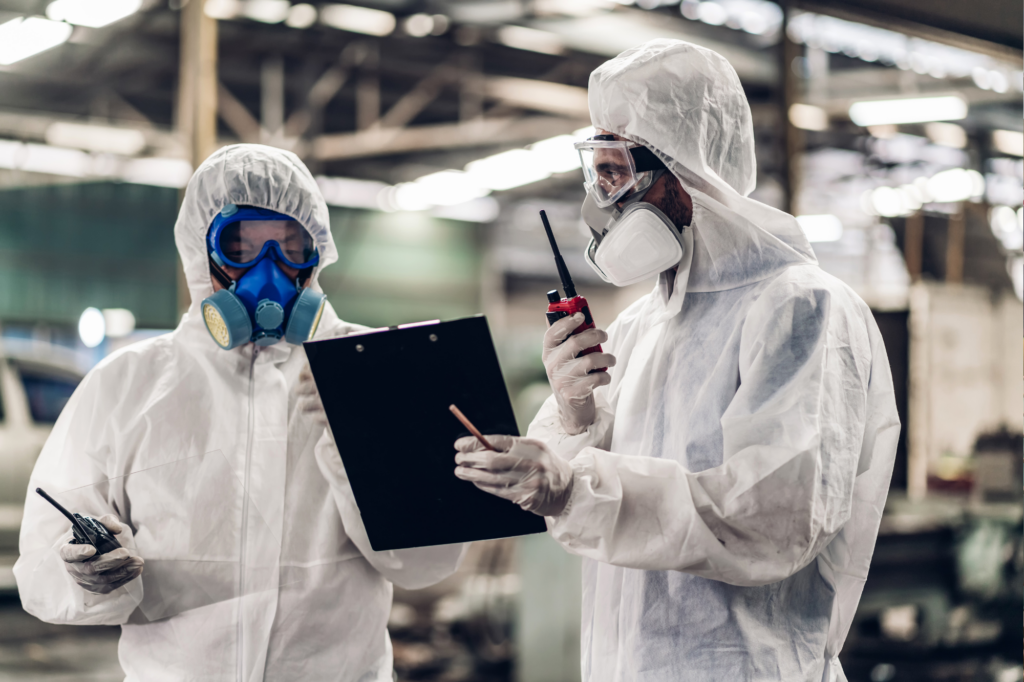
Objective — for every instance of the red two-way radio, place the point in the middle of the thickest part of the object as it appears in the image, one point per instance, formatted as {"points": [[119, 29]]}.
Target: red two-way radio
{"points": [[572, 303]]}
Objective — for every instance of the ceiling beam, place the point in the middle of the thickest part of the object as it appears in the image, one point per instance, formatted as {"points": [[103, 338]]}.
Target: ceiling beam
{"points": [[412, 103], [992, 27], [236, 115], [552, 98], [320, 94], [476, 133]]}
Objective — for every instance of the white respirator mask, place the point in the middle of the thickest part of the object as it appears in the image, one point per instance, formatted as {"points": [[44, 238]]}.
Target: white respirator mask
{"points": [[634, 243]]}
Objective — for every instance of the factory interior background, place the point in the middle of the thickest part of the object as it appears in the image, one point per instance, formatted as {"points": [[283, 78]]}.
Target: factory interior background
{"points": [[437, 129]]}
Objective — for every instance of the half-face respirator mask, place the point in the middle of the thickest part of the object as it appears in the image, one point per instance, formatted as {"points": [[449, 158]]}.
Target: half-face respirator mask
{"points": [[264, 304], [638, 240]]}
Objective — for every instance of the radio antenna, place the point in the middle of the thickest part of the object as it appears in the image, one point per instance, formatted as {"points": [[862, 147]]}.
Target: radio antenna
{"points": [[71, 517], [563, 272]]}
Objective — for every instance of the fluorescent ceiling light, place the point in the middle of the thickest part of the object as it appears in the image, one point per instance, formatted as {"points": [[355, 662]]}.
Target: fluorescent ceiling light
{"points": [[407, 196], [572, 8], [910, 197], [119, 322], [891, 202], [11, 153], [446, 188], [946, 134], [888, 47], [1003, 219], [482, 210], [350, 192], [223, 9], [712, 13], [821, 228], [919, 110], [1008, 142], [301, 16], [531, 39], [92, 328], [808, 117], [266, 11], [92, 13], [754, 23], [955, 184], [372, 22], [124, 141], [41, 158], [948, 186], [557, 154], [998, 82], [26, 36], [160, 172], [419, 25], [506, 170]]}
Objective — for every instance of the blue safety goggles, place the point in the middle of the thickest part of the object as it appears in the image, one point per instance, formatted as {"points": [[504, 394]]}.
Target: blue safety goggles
{"points": [[240, 236]]}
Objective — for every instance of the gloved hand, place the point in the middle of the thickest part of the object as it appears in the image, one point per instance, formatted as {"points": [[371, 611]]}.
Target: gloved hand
{"points": [[525, 471], [568, 375], [309, 398], [105, 573]]}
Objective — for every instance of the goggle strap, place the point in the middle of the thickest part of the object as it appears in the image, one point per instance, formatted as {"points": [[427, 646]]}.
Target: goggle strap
{"points": [[645, 160], [221, 276]]}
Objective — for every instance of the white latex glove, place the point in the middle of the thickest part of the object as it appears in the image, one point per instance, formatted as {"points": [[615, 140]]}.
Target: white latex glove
{"points": [[572, 384], [309, 398], [107, 572], [525, 471]]}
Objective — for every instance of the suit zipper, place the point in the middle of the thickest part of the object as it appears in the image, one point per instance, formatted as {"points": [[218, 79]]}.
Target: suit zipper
{"points": [[245, 512]]}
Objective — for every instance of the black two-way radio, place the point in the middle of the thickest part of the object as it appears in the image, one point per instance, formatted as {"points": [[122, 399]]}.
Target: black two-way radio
{"points": [[87, 530]]}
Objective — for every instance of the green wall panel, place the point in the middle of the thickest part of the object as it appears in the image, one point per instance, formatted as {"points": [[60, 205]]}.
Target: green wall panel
{"points": [[395, 268], [64, 248]]}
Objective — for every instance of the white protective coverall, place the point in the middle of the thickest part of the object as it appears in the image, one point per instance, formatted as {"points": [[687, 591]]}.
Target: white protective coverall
{"points": [[727, 497], [180, 395]]}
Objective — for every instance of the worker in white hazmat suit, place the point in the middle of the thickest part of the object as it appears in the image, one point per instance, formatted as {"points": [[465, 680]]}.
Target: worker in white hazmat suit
{"points": [[215, 466], [725, 478]]}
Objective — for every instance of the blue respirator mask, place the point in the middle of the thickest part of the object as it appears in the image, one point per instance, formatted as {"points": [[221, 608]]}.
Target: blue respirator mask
{"points": [[264, 305]]}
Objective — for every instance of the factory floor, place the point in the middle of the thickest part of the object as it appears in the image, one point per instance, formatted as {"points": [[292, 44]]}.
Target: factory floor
{"points": [[33, 651]]}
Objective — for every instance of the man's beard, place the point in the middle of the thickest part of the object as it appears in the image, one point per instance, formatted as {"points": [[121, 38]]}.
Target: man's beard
{"points": [[674, 206]]}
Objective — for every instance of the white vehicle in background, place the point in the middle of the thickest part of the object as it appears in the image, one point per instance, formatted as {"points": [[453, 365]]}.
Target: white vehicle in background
{"points": [[36, 381]]}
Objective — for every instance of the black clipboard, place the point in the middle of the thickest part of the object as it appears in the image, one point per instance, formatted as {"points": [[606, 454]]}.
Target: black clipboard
{"points": [[386, 394]]}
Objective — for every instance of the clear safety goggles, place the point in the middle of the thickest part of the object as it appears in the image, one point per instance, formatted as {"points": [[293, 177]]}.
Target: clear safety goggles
{"points": [[614, 169], [244, 236]]}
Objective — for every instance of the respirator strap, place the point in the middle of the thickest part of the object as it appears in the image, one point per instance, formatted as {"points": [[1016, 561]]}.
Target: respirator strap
{"points": [[221, 276]]}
